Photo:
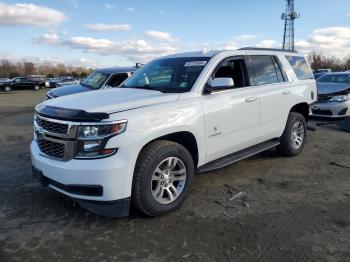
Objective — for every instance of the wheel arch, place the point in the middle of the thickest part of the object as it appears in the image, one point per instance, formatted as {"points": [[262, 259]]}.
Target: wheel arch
{"points": [[185, 138], [301, 108]]}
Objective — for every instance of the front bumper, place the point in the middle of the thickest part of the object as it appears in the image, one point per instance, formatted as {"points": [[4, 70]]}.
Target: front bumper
{"points": [[331, 109], [99, 180], [116, 208]]}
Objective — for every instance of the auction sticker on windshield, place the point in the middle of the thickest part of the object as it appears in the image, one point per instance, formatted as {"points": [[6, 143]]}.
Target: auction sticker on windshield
{"points": [[196, 63]]}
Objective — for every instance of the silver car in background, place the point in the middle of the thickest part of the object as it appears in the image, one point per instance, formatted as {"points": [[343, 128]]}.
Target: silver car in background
{"points": [[333, 96]]}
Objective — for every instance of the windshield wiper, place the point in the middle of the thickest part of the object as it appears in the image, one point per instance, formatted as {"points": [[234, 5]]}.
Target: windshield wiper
{"points": [[149, 87]]}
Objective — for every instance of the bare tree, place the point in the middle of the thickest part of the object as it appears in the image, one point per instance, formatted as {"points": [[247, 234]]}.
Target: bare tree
{"points": [[28, 68], [9, 69], [318, 61]]}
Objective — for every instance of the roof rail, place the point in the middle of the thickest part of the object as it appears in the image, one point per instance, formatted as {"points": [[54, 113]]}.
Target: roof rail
{"points": [[267, 49]]}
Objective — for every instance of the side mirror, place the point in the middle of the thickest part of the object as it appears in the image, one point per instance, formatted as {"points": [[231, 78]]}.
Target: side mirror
{"points": [[220, 83], [107, 87]]}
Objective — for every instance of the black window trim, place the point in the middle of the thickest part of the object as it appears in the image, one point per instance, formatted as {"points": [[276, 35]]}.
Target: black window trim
{"points": [[277, 62]]}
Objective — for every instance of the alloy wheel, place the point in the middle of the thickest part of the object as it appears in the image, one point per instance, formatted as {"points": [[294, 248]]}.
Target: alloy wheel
{"points": [[168, 180], [298, 135]]}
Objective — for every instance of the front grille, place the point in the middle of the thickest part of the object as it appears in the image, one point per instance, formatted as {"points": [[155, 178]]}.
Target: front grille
{"points": [[322, 112], [55, 138], [51, 149], [53, 127]]}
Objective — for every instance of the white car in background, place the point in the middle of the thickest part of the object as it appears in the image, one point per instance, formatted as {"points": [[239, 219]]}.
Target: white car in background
{"points": [[333, 96]]}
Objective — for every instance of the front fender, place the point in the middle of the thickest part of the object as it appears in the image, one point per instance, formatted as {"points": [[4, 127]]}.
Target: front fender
{"points": [[147, 124]]}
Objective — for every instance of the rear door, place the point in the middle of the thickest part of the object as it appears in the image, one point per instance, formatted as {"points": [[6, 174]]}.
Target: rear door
{"points": [[269, 78], [231, 116]]}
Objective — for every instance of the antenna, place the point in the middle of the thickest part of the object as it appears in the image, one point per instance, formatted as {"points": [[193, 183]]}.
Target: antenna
{"points": [[289, 16]]}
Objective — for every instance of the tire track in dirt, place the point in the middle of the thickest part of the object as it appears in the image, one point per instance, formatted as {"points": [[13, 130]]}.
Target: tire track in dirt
{"points": [[281, 237]]}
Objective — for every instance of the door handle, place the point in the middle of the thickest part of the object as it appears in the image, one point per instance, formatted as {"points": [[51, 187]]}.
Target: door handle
{"points": [[286, 92], [251, 99]]}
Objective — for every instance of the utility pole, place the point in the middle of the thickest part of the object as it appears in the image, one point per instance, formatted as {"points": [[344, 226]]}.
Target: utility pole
{"points": [[289, 16]]}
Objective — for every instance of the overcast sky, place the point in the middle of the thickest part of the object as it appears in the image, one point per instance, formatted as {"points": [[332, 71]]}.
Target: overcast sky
{"points": [[120, 33]]}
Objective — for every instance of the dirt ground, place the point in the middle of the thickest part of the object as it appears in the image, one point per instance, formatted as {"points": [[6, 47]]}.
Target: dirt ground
{"points": [[295, 209]]}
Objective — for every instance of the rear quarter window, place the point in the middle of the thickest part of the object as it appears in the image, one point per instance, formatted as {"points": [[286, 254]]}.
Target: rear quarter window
{"points": [[300, 67]]}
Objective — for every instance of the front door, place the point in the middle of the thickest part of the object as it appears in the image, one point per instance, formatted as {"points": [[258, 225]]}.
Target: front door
{"points": [[231, 116]]}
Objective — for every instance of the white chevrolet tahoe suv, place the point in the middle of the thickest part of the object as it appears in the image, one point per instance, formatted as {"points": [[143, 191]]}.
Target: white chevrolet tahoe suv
{"points": [[141, 144]]}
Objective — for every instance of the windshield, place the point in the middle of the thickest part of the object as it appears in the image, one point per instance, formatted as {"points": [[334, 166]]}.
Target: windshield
{"points": [[169, 75], [343, 79], [96, 80]]}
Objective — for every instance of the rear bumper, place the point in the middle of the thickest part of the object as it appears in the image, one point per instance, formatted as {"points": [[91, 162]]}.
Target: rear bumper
{"points": [[331, 110]]}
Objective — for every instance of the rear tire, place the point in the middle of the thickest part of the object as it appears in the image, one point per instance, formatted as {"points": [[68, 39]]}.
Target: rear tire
{"points": [[294, 135], [36, 87], [163, 177]]}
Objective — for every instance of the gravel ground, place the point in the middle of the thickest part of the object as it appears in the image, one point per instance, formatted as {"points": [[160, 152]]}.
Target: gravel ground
{"points": [[292, 209]]}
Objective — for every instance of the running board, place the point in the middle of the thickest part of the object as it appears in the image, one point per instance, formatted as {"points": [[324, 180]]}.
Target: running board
{"points": [[235, 157]]}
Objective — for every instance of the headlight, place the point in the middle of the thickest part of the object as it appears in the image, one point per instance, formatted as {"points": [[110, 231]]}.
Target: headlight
{"points": [[93, 138], [340, 98]]}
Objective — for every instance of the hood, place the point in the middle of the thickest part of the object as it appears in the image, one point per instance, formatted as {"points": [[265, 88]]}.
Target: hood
{"points": [[5, 82], [112, 100], [330, 88], [68, 90]]}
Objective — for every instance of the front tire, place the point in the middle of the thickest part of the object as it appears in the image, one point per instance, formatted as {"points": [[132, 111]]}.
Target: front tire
{"points": [[7, 88], [294, 136], [163, 178], [36, 87]]}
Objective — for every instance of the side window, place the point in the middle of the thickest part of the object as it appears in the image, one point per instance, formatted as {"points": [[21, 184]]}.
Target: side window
{"points": [[234, 68], [36, 79], [20, 80], [262, 70], [117, 79], [300, 67]]}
